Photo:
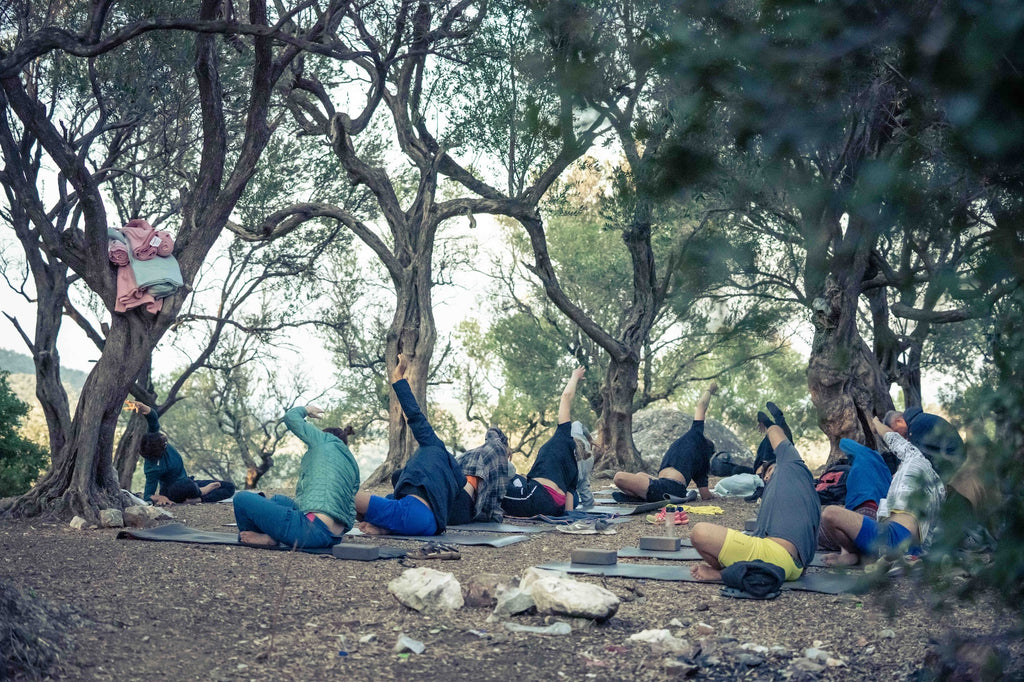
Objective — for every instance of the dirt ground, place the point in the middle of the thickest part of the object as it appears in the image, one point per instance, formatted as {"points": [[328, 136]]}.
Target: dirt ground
{"points": [[138, 610]]}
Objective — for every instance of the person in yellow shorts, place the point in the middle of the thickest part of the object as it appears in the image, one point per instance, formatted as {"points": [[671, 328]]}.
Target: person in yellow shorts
{"points": [[787, 524]]}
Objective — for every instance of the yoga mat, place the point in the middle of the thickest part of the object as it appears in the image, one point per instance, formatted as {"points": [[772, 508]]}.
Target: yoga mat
{"points": [[465, 538], [177, 532], [686, 553], [626, 509], [494, 527], [825, 583]]}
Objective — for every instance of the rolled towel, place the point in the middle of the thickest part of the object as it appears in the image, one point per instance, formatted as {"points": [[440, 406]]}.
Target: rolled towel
{"points": [[129, 295], [117, 252], [141, 238], [166, 244]]}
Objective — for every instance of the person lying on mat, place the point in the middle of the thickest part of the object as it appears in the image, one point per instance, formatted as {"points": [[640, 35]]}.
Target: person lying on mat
{"points": [[324, 506], [429, 491], [549, 485], [487, 474], [908, 512], [165, 470], [787, 523], [687, 459]]}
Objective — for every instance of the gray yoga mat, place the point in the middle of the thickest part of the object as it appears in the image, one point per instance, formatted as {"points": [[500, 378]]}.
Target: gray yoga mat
{"points": [[177, 532], [464, 538], [687, 553], [625, 509], [825, 583], [494, 527]]}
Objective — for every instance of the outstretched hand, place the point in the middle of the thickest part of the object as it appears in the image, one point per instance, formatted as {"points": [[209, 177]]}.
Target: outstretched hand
{"points": [[577, 373], [136, 406], [879, 427], [399, 372], [314, 412]]}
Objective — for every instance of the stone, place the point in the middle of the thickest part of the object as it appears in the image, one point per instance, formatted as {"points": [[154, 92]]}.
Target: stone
{"points": [[158, 513], [533, 574], [427, 590], [816, 655], [756, 648], [78, 523], [750, 660], [136, 517], [568, 597], [663, 642], [835, 662], [887, 634], [676, 668], [483, 588], [409, 644], [654, 429], [552, 629], [512, 601], [808, 666], [111, 518], [704, 629]]}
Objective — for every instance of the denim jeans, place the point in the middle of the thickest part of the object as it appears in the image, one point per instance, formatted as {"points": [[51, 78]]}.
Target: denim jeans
{"points": [[281, 519]]}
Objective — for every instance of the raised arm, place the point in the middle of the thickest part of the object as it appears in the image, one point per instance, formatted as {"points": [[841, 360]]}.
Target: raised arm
{"points": [[568, 393], [421, 429], [295, 420]]}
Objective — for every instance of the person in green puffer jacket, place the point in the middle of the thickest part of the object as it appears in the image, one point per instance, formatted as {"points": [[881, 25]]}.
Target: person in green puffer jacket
{"points": [[323, 509]]}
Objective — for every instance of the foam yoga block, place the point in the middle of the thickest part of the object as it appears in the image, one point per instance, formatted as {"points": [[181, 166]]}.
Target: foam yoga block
{"points": [[601, 557], [750, 525], [662, 544], [356, 552]]}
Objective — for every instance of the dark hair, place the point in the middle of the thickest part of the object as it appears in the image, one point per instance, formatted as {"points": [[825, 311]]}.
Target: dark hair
{"points": [[152, 445], [341, 434]]}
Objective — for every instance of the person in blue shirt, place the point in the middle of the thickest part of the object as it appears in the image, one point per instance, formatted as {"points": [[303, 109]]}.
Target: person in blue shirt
{"points": [[166, 480]]}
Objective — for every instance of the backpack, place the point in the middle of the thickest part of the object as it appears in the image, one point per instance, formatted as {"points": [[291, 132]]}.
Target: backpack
{"points": [[722, 464], [831, 486]]}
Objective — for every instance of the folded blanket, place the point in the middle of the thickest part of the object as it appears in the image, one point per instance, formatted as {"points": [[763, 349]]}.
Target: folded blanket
{"points": [[129, 295]]}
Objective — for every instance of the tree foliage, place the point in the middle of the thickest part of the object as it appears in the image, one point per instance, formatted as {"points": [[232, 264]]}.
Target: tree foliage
{"points": [[21, 461]]}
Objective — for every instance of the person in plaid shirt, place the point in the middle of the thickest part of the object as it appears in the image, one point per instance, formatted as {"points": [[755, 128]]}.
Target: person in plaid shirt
{"points": [[487, 473]]}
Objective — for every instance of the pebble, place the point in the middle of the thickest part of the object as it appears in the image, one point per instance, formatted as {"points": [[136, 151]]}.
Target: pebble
{"points": [[704, 629], [887, 634]]}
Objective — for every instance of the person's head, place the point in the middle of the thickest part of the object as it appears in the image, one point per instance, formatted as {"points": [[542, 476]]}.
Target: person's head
{"points": [[341, 434], [769, 471], [584, 443], [895, 421], [152, 446]]}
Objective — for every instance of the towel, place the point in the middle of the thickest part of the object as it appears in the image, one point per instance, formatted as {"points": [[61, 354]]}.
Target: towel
{"points": [[117, 252], [129, 295], [145, 242]]}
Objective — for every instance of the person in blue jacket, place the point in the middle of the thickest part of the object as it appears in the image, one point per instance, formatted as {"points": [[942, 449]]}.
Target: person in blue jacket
{"points": [[324, 506], [429, 492], [166, 480]]}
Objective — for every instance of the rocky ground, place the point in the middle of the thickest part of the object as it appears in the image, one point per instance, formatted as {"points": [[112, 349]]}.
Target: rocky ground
{"points": [[129, 610]]}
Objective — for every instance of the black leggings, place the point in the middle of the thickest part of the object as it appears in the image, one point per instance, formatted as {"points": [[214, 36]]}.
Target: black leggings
{"points": [[188, 489], [525, 498]]}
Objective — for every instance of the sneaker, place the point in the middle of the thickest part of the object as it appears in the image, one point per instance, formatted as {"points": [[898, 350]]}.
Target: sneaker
{"points": [[756, 495], [680, 518], [587, 527], [435, 550]]}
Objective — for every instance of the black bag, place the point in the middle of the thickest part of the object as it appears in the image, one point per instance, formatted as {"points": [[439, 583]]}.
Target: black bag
{"points": [[722, 464], [757, 578], [831, 486]]}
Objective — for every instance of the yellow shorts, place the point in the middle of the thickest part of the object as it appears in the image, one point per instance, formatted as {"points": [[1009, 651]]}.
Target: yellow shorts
{"points": [[740, 547]]}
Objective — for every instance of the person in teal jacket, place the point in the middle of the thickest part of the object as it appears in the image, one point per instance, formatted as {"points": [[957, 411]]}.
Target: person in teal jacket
{"points": [[165, 469], [324, 506]]}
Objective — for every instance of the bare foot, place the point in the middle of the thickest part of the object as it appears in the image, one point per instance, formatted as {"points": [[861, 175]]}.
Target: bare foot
{"points": [[209, 487], [371, 529], [251, 537], [705, 572], [844, 558]]}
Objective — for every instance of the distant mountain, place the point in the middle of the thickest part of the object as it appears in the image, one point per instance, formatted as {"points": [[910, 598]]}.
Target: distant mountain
{"points": [[19, 363]]}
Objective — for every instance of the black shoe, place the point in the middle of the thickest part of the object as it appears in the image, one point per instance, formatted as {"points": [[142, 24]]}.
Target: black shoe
{"points": [[764, 419], [756, 495], [775, 411]]}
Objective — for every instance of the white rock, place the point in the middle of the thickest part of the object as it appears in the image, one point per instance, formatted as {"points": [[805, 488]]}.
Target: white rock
{"points": [[835, 662], [136, 517], [513, 601], [704, 629], [366, 639], [815, 654], [662, 641], [565, 596], [409, 644], [157, 513], [887, 633], [558, 628], [533, 574], [756, 648], [427, 590], [676, 623], [111, 518], [78, 523]]}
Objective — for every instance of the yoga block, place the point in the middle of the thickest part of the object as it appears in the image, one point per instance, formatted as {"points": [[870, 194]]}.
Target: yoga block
{"points": [[356, 551], [750, 525], [661, 544], [601, 557]]}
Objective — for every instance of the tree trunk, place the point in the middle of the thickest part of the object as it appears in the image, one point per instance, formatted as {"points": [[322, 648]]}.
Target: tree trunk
{"points": [[82, 479], [127, 456], [413, 334], [616, 427], [843, 375]]}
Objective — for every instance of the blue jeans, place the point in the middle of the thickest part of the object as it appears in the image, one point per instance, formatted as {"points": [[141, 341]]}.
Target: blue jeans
{"points": [[281, 519]]}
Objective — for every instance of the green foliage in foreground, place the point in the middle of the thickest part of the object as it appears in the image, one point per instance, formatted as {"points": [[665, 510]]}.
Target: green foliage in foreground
{"points": [[21, 461]]}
